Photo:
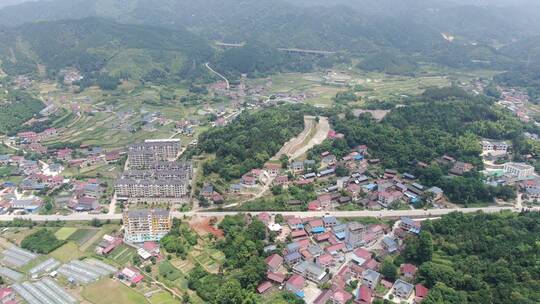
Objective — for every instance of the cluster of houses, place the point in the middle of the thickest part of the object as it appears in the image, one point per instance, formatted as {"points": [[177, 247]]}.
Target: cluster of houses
{"points": [[327, 252], [360, 187], [31, 140], [515, 101], [34, 177], [81, 157], [71, 76]]}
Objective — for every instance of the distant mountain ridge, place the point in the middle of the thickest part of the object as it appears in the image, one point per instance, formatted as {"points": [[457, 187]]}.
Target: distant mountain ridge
{"points": [[95, 44], [409, 30]]}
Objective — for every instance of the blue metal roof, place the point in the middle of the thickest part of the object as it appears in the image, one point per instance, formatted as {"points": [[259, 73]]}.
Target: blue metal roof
{"points": [[318, 230]]}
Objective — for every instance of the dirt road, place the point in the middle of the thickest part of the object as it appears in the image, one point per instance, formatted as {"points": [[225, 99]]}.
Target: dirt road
{"points": [[313, 134]]}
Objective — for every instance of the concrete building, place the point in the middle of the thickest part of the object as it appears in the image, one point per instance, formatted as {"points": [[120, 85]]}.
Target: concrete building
{"points": [[402, 290], [163, 190], [146, 225], [150, 151], [520, 170]]}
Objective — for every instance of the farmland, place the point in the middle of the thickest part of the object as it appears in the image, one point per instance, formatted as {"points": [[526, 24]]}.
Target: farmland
{"points": [[65, 232], [108, 291]]}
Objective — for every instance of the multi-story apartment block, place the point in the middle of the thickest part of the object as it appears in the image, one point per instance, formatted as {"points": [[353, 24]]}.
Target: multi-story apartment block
{"points": [[150, 190], [146, 225], [143, 154]]}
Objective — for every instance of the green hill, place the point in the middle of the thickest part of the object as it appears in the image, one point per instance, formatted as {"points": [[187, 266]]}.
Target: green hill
{"points": [[97, 45]]}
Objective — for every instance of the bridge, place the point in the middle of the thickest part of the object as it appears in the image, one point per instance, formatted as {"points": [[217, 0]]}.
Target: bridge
{"points": [[286, 50], [306, 52]]}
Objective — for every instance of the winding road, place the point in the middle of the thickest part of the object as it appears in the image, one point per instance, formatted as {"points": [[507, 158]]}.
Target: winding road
{"points": [[221, 76]]}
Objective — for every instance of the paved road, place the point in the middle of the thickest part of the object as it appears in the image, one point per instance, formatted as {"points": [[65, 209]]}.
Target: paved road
{"points": [[221, 76], [381, 214]]}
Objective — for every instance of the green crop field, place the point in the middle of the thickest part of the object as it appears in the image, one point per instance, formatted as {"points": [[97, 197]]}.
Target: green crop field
{"points": [[67, 252], [163, 298], [65, 232], [167, 270], [122, 254], [107, 291], [82, 235]]}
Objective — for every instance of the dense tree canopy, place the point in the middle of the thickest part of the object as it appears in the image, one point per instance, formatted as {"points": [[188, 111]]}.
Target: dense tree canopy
{"points": [[481, 258], [250, 140], [41, 241], [244, 267]]}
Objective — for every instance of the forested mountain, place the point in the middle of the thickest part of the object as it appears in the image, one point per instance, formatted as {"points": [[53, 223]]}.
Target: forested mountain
{"points": [[94, 45], [359, 27]]}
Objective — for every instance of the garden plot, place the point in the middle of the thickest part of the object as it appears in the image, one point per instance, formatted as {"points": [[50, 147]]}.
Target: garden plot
{"points": [[45, 291], [84, 272], [17, 257]]}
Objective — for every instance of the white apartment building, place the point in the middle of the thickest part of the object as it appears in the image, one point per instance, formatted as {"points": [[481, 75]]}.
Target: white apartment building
{"points": [[146, 225]]}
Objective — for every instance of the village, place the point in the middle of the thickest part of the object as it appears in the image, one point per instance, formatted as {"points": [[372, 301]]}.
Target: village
{"points": [[318, 259], [325, 259]]}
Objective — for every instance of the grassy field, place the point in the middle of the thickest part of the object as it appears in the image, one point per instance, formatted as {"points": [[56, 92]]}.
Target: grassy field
{"points": [[65, 232], [82, 235], [67, 252], [107, 291], [163, 298], [167, 270]]}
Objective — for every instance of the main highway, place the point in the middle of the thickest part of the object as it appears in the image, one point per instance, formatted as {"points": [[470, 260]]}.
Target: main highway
{"points": [[379, 214]]}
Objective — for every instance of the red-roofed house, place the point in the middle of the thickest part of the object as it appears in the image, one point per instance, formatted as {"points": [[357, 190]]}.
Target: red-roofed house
{"points": [[281, 180], [6, 295], [272, 169], [248, 180], [264, 287], [64, 154], [364, 295], [325, 260], [408, 271], [264, 217], [274, 262], [112, 157], [314, 206], [295, 283], [132, 275], [276, 277], [296, 234], [324, 297], [322, 237], [151, 247], [325, 200], [340, 297], [303, 244], [371, 264], [421, 293], [333, 249], [362, 253]]}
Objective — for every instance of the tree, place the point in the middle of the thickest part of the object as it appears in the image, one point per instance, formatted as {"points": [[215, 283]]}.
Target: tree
{"points": [[252, 273], [148, 268], [230, 293], [442, 294], [95, 222], [388, 269], [136, 260], [425, 247]]}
